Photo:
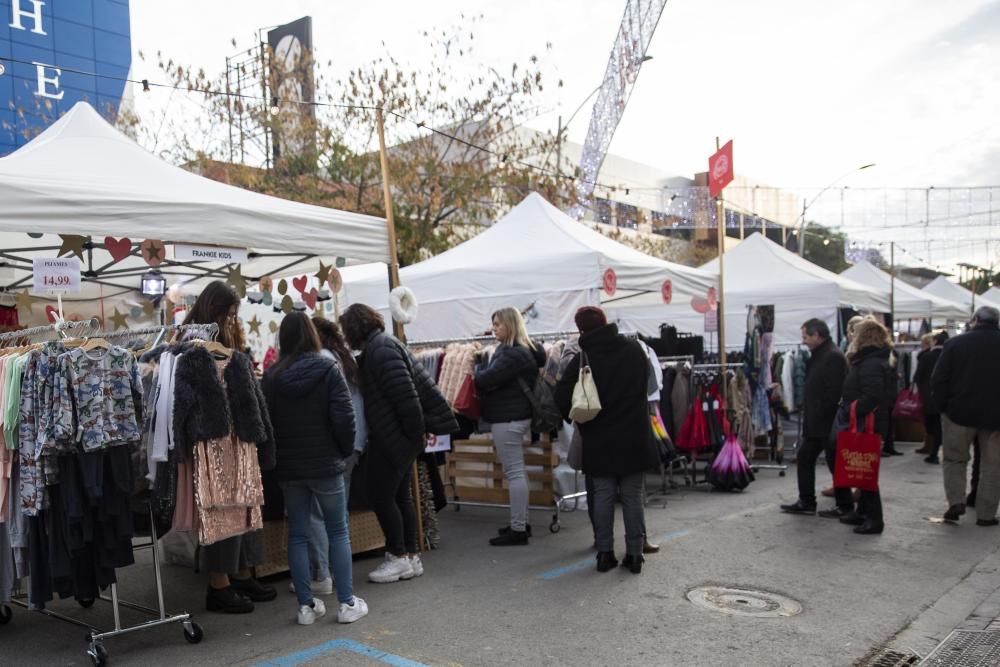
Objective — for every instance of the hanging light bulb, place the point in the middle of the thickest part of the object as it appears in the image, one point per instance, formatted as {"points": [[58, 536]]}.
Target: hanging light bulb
{"points": [[274, 106], [145, 85]]}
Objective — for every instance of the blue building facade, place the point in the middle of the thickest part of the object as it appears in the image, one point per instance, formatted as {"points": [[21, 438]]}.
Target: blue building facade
{"points": [[44, 47]]}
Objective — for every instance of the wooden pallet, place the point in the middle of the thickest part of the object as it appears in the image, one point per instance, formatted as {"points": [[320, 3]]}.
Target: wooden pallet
{"points": [[476, 475], [366, 535]]}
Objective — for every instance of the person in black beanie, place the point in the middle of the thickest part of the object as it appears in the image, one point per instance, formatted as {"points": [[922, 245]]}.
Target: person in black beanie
{"points": [[616, 443]]}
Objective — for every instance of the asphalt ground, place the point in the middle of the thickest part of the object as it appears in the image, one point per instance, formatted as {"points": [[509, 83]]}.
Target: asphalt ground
{"points": [[545, 604]]}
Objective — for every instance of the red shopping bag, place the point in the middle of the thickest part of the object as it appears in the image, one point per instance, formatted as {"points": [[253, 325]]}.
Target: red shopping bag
{"points": [[858, 455], [467, 401], [909, 405]]}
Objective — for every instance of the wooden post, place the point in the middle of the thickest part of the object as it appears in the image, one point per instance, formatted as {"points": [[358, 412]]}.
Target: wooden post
{"points": [[892, 287], [397, 327], [720, 218]]}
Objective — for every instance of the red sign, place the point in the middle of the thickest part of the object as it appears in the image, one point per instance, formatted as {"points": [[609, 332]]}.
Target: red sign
{"points": [[667, 291], [720, 169], [610, 282]]}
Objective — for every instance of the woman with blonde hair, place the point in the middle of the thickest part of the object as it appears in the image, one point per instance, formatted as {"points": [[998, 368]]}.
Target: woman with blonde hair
{"points": [[505, 405], [870, 383]]}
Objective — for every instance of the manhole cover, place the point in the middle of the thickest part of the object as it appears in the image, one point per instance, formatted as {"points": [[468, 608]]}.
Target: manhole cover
{"points": [[744, 602]]}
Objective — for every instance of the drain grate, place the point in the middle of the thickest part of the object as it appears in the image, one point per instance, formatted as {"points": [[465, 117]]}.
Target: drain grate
{"points": [[967, 648], [744, 602], [890, 658]]}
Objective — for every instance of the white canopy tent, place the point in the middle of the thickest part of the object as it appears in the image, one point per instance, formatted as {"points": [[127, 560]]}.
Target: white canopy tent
{"points": [[539, 260], [945, 289], [909, 302], [83, 177], [992, 294], [759, 272]]}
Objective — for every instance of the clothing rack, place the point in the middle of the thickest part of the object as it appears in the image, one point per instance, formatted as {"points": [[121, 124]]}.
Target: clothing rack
{"points": [[91, 325], [546, 336], [212, 330], [98, 654]]}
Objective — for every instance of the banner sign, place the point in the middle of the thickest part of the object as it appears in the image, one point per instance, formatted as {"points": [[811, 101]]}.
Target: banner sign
{"points": [[209, 253], [720, 169], [55, 275]]}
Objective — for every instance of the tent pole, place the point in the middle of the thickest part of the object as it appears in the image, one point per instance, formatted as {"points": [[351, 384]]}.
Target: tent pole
{"points": [[720, 229], [397, 327], [892, 286]]}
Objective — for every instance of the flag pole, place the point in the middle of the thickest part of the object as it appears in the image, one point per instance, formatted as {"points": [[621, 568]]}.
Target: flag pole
{"points": [[720, 223]]}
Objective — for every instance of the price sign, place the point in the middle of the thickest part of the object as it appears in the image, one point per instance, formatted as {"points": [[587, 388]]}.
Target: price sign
{"points": [[712, 321], [437, 443], [56, 275]]}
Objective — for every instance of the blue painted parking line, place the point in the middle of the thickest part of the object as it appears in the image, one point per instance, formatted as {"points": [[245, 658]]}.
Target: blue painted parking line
{"points": [[588, 562], [339, 645]]}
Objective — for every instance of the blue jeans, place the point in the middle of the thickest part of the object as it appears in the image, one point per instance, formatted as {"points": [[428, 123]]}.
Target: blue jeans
{"points": [[319, 544], [300, 497]]}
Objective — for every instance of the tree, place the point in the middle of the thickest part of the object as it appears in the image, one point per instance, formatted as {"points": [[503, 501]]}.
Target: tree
{"points": [[444, 185], [825, 247]]}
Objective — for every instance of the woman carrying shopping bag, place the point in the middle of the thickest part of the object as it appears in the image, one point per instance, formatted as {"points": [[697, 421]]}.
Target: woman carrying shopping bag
{"points": [[506, 407]]}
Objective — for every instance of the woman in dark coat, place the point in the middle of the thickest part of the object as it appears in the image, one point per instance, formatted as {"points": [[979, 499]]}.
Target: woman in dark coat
{"points": [[617, 449], [313, 420], [402, 404], [506, 407], [871, 383], [926, 362]]}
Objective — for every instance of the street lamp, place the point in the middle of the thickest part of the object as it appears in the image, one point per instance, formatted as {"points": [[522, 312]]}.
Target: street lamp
{"points": [[805, 207]]}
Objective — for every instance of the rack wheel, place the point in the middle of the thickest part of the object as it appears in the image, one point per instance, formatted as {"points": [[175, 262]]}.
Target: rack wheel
{"points": [[781, 473], [5, 614], [193, 632], [98, 655], [554, 526], [87, 603], [755, 469], [458, 506]]}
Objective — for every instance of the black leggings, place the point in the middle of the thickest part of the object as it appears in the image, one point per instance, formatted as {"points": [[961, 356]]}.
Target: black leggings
{"points": [[389, 494]]}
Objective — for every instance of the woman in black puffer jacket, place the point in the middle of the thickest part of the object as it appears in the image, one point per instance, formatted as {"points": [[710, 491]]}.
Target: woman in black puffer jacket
{"points": [[505, 405], [871, 382], [402, 404], [313, 419]]}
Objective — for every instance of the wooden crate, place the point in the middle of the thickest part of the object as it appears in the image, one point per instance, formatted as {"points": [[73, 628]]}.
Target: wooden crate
{"points": [[475, 473], [366, 535]]}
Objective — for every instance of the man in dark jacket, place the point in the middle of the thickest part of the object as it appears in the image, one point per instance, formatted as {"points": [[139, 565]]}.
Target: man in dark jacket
{"points": [[617, 446], [965, 390], [926, 363], [825, 373]]}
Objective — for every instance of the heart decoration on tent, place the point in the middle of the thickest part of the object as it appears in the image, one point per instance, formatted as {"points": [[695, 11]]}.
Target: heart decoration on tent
{"points": [[51, 314], [300, 284], [282, 287], [713, 298], [119, 248], [153, 251], [610, 282], [310, 298], [700, 305], [667, 291], [272, 326], [335, 280], [286, 304]]}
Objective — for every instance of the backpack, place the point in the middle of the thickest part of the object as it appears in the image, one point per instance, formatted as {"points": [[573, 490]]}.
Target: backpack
{"points": [[545, 416]]}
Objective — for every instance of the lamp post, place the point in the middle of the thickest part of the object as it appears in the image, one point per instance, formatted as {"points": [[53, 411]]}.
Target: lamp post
{"points": [[801, 222]]}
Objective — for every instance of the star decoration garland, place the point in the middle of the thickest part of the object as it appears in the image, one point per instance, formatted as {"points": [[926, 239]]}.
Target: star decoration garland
{"points": [[118, 319], [237, 280], [153, 252], [71, 243], [25, 300], [323, 272], [254, 325], [149, 308]]}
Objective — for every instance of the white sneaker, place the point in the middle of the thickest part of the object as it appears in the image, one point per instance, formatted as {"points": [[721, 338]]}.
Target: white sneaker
{"points": [[308, 615], [392, 569], [324, 587], [352, 612], [417, 565]]}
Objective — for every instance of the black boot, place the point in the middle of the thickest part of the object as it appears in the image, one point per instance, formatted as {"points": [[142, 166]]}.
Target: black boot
{"points": [[835, 513], [511, 538], [870, 528], [954, 513], [606, 561], [253, 589], [227, 601], [633, 563], [798, 507], [853, 519], [506, 529]]}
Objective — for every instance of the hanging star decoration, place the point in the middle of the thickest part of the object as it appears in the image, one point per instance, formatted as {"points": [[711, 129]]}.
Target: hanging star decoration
{"points": [[254, 325], [237, 280], [320, 313], [149, 308], [118, 319], [25, 300], [323, 272], [153, 251], [71, 243]]}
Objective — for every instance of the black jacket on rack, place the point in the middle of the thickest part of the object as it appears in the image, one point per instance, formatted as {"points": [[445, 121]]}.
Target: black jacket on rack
{"points": [[871, 382], [501, 396], [438, 417], [618, 441], [393, 409], [825, 373], [313, 418]]}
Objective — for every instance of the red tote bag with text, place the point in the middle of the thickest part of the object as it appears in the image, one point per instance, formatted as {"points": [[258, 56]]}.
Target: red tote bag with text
{"points": [[467, 401], [858, 455]]}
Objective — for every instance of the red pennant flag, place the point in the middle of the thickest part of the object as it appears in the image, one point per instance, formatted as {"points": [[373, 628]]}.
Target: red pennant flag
{"points": [[720, 169]]}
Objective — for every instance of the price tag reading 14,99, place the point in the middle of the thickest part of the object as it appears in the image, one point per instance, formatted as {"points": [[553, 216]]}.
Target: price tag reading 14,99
{"points": [[56, 275]]}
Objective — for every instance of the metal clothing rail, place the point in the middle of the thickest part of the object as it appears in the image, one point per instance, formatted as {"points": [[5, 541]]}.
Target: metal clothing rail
{"points": [[212, 329], [546, 336], [61, 328]]}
